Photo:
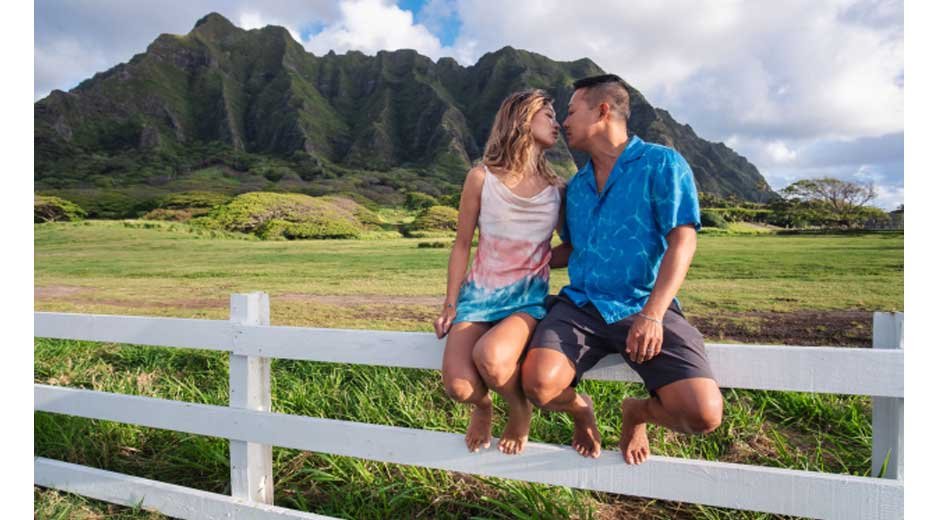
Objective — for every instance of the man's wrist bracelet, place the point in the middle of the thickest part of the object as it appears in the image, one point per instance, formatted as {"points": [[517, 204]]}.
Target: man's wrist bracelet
{"points": [[650, 318]]}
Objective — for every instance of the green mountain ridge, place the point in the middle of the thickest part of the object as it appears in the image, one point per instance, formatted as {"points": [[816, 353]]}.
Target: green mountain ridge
{"points": [[255, 101]]}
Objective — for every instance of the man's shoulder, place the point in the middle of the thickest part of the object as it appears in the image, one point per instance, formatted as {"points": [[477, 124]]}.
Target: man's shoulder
{"points": [[658, 152]]}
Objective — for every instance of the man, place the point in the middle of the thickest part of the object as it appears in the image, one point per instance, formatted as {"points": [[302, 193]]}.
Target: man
{"points": [[629, 234]]}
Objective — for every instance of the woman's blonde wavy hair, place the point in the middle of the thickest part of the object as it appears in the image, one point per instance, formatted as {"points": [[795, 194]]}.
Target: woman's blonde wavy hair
{"points": [[511, 145]]}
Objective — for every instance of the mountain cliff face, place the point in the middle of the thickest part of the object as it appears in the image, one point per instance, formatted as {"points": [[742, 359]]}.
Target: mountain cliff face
{"points": [[259, 93]]}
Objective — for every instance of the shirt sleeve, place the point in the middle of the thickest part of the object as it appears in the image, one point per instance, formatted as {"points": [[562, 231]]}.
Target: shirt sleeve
{"points": [[675, 199]]}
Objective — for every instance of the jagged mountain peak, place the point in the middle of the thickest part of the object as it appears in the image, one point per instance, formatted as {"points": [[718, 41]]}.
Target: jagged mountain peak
{"points": [[260, 92]]}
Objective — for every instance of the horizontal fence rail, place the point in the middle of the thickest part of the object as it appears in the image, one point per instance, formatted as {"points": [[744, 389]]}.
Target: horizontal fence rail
{"points": [[170, 499], [839, 370], [252, 428], [721, 484]]}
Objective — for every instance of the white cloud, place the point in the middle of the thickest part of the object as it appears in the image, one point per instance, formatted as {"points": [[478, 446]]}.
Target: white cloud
{"points": [[74, 40], [795, 69], [255, 20], [779, 152], [373, 25], [61, 61]]}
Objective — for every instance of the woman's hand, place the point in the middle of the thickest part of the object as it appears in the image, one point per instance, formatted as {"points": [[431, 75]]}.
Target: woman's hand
{"points": [[445, 320]]}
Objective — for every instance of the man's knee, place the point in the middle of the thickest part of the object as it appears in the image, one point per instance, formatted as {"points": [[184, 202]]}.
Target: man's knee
{"points": [[706, 417], [541, 390], [459, 389], [545, 375]]}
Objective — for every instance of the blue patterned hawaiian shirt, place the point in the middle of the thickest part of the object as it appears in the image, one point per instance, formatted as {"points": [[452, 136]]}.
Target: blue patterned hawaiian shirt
{"points": [[618, 237]]}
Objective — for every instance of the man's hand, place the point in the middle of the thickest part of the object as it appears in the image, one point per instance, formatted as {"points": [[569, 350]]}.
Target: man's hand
{"points": [[645, 339]]}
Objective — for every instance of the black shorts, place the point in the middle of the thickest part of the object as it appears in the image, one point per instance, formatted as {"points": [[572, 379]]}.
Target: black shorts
{"points": [[581, 334]]}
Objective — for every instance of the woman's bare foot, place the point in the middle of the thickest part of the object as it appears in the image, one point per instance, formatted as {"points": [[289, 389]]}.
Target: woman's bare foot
{"points": [[479, 432], [587, 438], [633, 441], [516, 433]]}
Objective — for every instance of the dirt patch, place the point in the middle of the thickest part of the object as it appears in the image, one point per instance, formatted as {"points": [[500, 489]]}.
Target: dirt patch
{"points": [[836, 328], [831, 328], [86, 295], [360, 299], [51, 292]]}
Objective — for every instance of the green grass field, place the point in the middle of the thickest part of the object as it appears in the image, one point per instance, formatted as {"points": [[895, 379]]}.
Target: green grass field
{"points": [[754, 281]]}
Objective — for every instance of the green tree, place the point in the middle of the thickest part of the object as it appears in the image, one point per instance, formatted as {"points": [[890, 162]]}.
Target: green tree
{"points": [[841, 197]]}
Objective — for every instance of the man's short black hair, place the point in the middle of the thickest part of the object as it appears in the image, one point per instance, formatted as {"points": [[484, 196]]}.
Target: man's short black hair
{"points": [[607, 88]]}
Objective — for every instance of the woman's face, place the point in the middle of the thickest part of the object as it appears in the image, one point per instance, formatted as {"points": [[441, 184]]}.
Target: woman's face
{"points": [[544, 127]]}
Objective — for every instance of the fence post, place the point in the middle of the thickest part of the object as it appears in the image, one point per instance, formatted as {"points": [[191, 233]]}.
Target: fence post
{"points": [[887, 420], [250, 387]]}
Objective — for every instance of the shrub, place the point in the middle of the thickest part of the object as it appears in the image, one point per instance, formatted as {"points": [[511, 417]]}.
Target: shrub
{"points": [[175, 215], [276, 229], [741, 214], [452, 200], [713, 219], [415, 200], [112, 205], [368, 218], [435, 219], [432, 245], [291, 216], [192, 199], [55, 209]]}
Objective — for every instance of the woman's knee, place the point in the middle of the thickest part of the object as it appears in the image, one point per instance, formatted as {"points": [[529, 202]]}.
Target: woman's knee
{"points": [[461, 389], [496, 369]]}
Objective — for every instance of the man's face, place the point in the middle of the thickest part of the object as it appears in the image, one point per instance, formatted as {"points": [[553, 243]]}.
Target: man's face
{"points": [[581, 117]]}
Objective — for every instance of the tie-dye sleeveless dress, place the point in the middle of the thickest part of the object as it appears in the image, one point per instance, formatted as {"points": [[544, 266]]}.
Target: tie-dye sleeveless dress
{"points": [[510, 270]]}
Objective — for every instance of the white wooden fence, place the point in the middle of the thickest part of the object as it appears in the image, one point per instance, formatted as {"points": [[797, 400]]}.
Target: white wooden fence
{"points": [[252, 428]]}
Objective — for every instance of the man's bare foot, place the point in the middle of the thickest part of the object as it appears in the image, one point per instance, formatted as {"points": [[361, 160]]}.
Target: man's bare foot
{"points": [[587, 438], [479, 432], [516, 433], [633, 441]]}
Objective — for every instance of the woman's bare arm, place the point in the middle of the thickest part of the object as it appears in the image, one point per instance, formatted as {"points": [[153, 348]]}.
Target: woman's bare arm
{"points": [[460, 253], [561, 252]]}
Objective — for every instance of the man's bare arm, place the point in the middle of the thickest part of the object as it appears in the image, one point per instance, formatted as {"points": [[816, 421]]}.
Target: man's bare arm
{"points": [[681, 241], [645, 339], [560, 254]]}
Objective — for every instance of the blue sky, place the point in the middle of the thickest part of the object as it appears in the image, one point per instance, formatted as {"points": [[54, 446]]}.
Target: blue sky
{"points": [[801, 88]]}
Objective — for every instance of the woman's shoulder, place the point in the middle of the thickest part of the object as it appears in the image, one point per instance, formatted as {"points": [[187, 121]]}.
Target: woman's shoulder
{"points": [[476, 174]]}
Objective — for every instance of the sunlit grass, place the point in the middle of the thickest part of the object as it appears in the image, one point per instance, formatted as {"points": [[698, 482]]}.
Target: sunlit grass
{"points": [[107, 267]]}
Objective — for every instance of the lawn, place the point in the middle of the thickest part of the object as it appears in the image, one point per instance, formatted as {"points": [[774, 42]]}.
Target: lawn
{"points": [[749, 283]]}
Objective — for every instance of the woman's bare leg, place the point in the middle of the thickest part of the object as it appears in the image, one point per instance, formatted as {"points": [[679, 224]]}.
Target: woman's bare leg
{"points": [[463, 383], [497, 355]]}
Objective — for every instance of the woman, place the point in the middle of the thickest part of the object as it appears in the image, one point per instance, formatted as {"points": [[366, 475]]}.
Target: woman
{"points": [[488, 316]]}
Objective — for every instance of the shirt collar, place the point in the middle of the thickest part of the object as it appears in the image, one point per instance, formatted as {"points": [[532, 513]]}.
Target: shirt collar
{"points": [[633, 151]]}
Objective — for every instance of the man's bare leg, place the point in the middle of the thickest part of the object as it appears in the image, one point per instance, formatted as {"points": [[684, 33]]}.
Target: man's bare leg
{"points": [[496, 356], [688, 406], [546, 379], [463, 383]]}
